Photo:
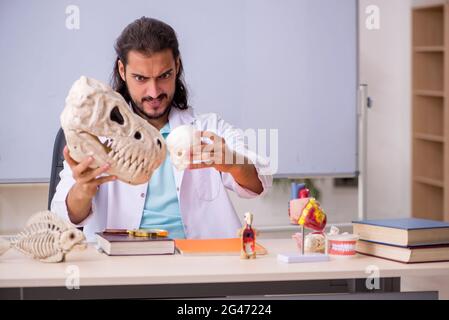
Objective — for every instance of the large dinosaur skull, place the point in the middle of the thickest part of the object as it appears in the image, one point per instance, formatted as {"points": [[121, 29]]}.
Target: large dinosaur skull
{"points": [[97, 122]]}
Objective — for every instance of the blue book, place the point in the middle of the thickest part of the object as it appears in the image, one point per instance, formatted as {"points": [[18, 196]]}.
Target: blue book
{"points": [[408, 232], [414, 254]]}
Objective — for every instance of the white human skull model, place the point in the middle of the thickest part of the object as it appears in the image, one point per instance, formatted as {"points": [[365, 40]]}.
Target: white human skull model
{"points": [[97, 122], [179, 141]]}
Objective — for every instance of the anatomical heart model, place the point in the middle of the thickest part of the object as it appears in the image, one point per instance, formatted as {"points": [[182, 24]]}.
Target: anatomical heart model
{"points": [[98, 122]]}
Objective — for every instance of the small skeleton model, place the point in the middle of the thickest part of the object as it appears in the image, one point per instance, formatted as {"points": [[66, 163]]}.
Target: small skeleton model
{"points": [[46, 237], [98, 122], [248, 237]]}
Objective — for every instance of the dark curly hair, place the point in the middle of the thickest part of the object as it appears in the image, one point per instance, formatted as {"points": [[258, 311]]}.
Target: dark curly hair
{"points": [[147, 35]]}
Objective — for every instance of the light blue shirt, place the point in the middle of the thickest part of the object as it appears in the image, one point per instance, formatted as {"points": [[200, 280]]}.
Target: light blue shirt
{"points": [[161, 209]]}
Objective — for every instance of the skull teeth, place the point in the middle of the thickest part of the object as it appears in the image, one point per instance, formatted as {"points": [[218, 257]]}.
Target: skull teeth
{"points": [[127, 163], [108, 144], [133, 167], [140, 166], [134, 162]]}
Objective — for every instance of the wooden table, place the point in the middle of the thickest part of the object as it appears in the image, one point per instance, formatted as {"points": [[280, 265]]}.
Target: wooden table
{"points": [[172, 276]]}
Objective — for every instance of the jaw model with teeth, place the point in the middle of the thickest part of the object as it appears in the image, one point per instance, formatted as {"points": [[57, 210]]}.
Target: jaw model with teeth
{"points": [[97, 122], [341, 245]]}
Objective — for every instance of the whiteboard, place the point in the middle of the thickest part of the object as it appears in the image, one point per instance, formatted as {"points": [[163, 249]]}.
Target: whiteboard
{"points": [[287, 65]]}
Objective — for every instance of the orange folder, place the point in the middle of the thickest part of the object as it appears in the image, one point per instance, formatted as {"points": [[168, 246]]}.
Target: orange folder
{"points": [[230, 246]]}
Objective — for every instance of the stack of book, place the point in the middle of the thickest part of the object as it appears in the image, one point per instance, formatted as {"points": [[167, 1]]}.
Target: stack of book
{"points": [[407, 240], [126, 245]]}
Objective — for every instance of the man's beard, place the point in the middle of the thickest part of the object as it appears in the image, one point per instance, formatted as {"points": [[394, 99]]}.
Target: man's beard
{"points": [[141, 112]]}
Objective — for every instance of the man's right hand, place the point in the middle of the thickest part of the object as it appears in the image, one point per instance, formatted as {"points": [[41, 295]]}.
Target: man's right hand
{"points": [[79, 198]]}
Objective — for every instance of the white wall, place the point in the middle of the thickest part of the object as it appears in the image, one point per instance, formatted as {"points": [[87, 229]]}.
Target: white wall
{"points": [[385, 67], [18, 202]]}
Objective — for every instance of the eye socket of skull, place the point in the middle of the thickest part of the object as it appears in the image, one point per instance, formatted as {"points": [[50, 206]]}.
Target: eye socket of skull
{"points": [[159, 143], [116, 116]]}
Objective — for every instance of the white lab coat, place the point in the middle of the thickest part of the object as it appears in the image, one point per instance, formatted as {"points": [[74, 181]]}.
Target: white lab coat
{"points": [[206, 209]]}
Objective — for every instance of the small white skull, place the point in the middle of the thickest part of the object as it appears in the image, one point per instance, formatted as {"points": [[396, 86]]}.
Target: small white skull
{"points": [[248, 218], [179, 142], [98, 122]]}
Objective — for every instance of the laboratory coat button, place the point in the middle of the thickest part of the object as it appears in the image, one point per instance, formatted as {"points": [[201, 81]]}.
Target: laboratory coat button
{"points": [[142, 195]]}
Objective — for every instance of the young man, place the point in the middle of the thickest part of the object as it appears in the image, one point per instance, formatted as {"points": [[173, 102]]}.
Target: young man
{"points": [[192, 203]]}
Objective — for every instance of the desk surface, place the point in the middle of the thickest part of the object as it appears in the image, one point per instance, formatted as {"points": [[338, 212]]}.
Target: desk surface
{"points": [[96, 269]]}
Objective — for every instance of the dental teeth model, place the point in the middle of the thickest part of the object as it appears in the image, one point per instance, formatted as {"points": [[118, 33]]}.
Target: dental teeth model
{"points": [[98, 122], [341, 245]]}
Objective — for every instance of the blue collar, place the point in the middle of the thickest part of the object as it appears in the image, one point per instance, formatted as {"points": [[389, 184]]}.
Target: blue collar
{"points": [[165, 129]]}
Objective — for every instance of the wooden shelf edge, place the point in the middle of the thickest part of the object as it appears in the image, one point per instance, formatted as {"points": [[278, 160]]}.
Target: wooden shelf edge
{"points": [[429, 181], [434, 6], [429, 137], [429, 93], [430, 49]]}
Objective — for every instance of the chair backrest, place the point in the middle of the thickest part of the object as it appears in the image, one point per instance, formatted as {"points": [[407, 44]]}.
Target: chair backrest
{"points": [[56, 164]]}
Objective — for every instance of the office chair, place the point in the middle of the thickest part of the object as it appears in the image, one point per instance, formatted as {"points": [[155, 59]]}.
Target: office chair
{"points": [[56, 164]]}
